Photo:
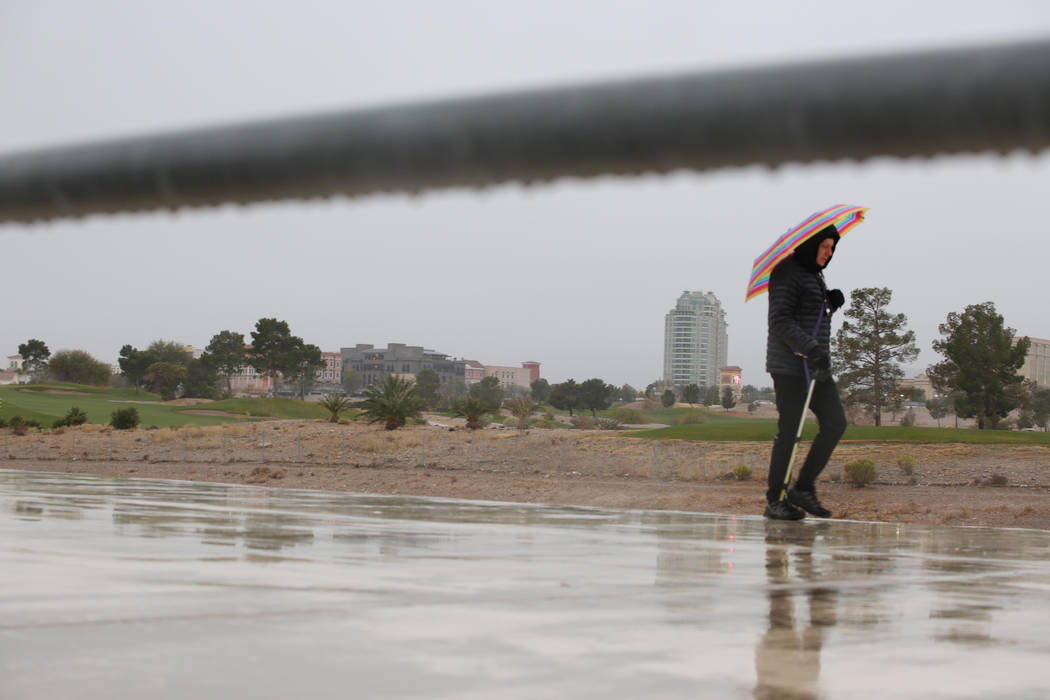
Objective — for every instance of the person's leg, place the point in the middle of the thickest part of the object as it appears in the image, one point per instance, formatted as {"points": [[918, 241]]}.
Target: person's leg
{"points": [[791, 394], [832, 421]]}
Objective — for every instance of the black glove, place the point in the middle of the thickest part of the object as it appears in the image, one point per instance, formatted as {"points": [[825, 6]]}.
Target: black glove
{"points": [[818, 357], [836, 300]]}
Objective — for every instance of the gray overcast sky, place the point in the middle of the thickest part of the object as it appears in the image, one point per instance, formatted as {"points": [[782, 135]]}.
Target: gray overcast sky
{"points": [[576, 275]]}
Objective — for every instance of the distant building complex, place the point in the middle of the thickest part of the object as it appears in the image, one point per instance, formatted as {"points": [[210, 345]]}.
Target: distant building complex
{"points": [[696, 343], [397, 358], [408, 360]]}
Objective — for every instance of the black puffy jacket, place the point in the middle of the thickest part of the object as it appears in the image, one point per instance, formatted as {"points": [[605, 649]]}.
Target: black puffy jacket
{"points": [[796, 297]]}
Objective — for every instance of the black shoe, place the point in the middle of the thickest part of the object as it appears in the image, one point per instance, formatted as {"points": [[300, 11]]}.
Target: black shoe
{"points": [[807, 501], [782, 510]]}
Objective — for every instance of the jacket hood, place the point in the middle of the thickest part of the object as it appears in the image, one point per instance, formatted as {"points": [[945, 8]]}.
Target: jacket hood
{"points": [[806, 252]]}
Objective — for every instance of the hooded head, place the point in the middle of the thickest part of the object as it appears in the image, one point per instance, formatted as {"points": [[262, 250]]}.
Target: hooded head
{"points": [[806, 252]]}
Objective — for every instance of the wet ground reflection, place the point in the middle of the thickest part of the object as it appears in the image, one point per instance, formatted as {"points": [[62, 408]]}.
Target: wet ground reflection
{"points": [[177, 589]]}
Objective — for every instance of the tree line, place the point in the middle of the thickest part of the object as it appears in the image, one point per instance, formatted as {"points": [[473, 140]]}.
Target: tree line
{"points": [[978, 377], [274, 352], [168, 368]]}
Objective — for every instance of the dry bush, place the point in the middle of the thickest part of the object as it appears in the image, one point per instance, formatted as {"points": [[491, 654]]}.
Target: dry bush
{"points": [[742, 472], [960, 514], [859, 472], [685, 473], [693, 418], [996, 479], [162, 437]]}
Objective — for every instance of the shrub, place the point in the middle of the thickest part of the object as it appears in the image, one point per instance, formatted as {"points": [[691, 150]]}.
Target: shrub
{"points": [[630, 416], [3, 423], [18, 425], [693, 418], [125, 418], [860, 472], [392, 402], [584, 423], [908, 419], [742, 472], [335, 404], [473, 408], [521, 408], [609, 424], [996, 480], [906, 463], [74, 417]]}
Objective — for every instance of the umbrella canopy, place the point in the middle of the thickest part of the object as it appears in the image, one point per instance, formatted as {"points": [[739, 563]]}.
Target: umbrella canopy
{"points": [[844, 217]]}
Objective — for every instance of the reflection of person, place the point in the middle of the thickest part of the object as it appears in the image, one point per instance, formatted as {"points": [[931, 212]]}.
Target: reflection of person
{"points": [[787, 659], [799, 340]]}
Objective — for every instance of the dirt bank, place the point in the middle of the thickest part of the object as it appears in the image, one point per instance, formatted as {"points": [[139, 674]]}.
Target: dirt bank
{"points": [[586, 468]]}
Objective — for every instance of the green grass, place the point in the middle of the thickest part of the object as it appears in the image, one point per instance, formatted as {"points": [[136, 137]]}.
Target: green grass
{"points": [[270, 408], [124, 394], [726, 428], [98, 403]]}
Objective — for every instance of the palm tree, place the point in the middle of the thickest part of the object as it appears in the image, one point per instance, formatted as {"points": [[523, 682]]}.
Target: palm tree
{"points": [[392, 401], [335, 404], [473, 408], [521, 408]]}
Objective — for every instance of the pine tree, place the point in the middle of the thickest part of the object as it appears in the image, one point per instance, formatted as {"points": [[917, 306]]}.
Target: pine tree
{"points": [[869, 347]]}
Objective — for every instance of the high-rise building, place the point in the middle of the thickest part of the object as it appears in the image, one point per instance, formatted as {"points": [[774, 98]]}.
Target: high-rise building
{"points": [[696, 344]]}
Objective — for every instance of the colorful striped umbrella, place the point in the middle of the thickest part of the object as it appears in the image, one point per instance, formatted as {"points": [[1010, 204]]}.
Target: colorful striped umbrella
{"points": [[843, 216]]}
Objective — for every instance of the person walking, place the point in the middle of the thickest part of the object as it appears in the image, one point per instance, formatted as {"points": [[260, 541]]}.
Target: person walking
{"points": [[797, 350]]}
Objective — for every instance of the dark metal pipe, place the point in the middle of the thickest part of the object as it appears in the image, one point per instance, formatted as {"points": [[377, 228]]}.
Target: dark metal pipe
{"points": [[994, 98]]}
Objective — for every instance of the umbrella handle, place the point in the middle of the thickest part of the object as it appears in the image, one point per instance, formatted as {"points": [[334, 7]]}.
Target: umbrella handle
{"points": [[798, 439]]}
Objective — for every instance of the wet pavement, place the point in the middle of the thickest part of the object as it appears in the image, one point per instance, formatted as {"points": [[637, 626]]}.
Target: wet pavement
{"points": [[165, 589]]}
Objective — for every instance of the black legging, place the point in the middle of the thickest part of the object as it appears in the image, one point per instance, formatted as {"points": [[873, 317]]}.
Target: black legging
{"points": [[791, 394]]}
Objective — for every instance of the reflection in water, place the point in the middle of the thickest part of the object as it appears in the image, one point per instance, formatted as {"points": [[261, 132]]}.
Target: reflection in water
{"points": [[265, 531], [968, 588], [787, 660], [439, 598]]}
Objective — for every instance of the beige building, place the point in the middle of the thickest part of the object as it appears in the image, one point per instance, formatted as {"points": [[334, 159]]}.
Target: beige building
{"points": [[14, 374], [920, 382], [511, 376], [248, 382], [1037, 363]]}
